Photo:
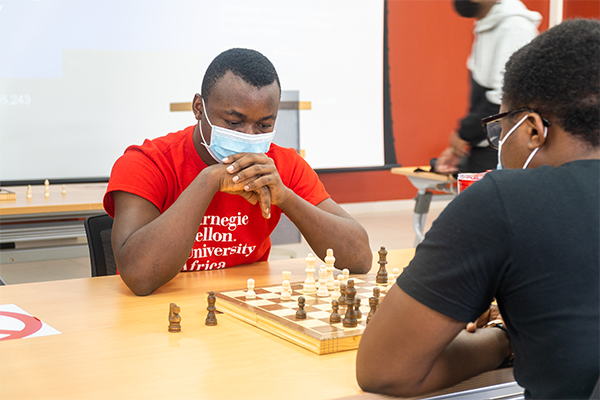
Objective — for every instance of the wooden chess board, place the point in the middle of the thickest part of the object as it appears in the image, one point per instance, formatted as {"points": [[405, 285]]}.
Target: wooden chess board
{"points": [[315, 333]]}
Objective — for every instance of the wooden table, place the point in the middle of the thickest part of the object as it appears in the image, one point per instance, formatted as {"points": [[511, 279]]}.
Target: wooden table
{"points": [[115, 345], [426, 183], [43, 228]]}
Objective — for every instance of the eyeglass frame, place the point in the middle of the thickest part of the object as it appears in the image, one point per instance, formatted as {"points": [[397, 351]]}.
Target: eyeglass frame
{"points": [[496, 117]]}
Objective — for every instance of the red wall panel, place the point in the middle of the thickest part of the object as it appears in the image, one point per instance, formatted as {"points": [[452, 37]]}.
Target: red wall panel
{"points": [[428, 49]]}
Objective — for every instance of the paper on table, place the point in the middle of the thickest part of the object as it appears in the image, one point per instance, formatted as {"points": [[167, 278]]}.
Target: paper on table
{"points": [[16, 323]]}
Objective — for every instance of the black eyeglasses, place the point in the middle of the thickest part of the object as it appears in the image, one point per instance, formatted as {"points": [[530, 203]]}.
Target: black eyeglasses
{"points": [[493, 130]]}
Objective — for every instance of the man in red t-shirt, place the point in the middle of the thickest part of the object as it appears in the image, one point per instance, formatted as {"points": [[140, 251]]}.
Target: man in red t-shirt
{"points": [[209, 196]]}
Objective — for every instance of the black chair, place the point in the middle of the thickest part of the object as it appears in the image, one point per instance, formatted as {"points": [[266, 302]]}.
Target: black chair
{"points": [[98, 229]]}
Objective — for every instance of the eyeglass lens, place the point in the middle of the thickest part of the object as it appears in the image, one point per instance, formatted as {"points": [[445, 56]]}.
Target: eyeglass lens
{"points": [[493, 132]]}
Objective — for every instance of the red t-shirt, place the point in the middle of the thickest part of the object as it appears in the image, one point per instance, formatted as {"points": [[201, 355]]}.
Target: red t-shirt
{"points": [[233, 231]]}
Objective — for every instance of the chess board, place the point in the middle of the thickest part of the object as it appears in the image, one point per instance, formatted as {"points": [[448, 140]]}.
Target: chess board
{"points": [[315, 333]]}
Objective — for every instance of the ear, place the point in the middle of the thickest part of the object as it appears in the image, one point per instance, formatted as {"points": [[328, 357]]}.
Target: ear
{"points": [[197, 107], [536, 130]]}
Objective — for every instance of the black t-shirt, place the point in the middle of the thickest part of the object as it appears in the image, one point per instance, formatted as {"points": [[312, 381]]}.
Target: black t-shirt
{"points": [[530, 239]]}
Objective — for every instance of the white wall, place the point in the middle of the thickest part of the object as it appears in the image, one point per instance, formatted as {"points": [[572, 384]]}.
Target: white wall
{"points": [[80, 80]]}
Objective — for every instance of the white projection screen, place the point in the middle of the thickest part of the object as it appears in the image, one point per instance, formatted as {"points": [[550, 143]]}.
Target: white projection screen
{"points": [[80, 80]]}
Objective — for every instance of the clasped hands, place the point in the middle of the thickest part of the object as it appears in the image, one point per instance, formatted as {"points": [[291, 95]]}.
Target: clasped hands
{"points": [[254, 177]]}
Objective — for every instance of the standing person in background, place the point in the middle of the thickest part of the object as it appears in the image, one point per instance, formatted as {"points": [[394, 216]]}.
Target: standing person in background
{"points": [[502, 27]]}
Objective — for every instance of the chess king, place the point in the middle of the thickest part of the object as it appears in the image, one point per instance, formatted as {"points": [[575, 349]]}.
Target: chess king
{"points": [[210, 195]]}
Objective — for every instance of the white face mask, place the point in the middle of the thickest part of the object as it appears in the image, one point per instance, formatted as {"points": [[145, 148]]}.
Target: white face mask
{"points": [[501, 142], [226, 142]]}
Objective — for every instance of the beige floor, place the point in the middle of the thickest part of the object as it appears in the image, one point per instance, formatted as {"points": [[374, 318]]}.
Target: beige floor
{"points": [[388, 224]]}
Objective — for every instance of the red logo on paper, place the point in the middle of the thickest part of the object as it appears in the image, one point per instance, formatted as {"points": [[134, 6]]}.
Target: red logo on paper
{"points": [[32, 325]]}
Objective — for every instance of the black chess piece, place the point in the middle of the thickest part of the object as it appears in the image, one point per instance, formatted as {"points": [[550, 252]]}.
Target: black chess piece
{"points": [[350, 320], [373, 303], [211, 319], [174, 318], [335, 315], [376, 292], [357, 309], [342, 298], [382, 275], [301, 312]]}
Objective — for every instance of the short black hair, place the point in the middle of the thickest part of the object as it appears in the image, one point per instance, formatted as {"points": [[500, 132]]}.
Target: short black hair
{"points": [[250, 65], [558, 75]]}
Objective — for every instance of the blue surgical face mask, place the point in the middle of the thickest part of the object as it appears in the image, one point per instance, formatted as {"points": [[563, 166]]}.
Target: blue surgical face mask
{"points": [[226, 142]]}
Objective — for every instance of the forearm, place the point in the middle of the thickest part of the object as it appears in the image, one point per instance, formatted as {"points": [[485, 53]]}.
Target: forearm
{"points": [[155, 253], [468, 355], [325, 230]]}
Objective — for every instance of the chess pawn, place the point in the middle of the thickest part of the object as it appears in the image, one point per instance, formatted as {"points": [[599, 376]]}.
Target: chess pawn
{"points": [[174, 318], [376, 292], [373, 303], [46, 189], [335, 316], [250, 293], [285, 291], [336, 289], [357, 309], [322, 291], [64, 190], [211, 319], [342, 298], [382, 275], [28, 193], [309, 282], [301, 312], [346, 274]]}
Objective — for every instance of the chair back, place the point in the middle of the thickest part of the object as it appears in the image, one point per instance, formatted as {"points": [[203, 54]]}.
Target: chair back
{"points": [[98, 229]]}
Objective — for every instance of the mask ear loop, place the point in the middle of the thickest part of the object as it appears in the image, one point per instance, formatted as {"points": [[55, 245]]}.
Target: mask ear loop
{"points": [[202, 134], [535, 151]]}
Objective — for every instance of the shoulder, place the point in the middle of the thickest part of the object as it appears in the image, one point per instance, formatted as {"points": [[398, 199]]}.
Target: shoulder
{"points": [[164, 144]]}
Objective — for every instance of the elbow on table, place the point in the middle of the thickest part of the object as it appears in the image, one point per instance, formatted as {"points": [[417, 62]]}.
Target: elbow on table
{"points": [[139, 287], [380, 382]]}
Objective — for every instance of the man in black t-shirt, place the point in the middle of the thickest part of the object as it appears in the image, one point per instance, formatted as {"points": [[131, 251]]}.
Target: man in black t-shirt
{"points": [[529, 237]]}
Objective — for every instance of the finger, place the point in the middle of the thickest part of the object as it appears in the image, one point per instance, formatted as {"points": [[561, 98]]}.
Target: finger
{"points": [[242, 161], [471, 327], [264, 199]]}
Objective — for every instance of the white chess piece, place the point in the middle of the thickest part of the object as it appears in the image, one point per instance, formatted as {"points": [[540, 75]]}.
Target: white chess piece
{"points": [[46, 188], [286, 292], [64, 190], [286, 275], [336, 289], [322, 291], [28, 193], [330, 277], [309, 282], [346, 273], [329, 261], [250, 293]]}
